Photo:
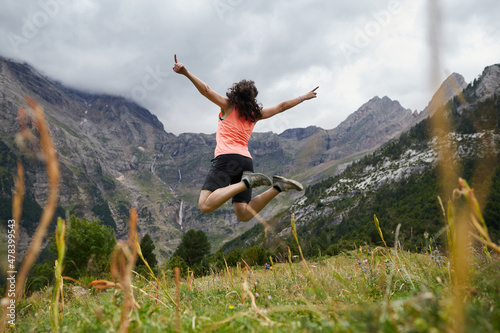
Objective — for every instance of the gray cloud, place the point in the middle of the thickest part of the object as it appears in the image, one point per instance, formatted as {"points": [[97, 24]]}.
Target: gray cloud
{"points": [[352, 50]]}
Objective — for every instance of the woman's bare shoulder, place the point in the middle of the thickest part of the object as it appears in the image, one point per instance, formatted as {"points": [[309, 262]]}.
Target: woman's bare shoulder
{"points": [[225, 112]]}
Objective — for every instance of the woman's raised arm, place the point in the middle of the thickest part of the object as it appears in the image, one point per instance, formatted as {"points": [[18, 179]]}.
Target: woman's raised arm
{"points": [[268, 112], [202, 87]]}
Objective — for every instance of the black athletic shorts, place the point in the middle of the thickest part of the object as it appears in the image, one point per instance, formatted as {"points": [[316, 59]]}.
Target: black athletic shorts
{"points": [[226, 170]]}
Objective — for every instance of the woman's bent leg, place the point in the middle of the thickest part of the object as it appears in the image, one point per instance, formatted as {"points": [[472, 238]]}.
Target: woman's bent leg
{"points": [[245, 212], [210, 201]]}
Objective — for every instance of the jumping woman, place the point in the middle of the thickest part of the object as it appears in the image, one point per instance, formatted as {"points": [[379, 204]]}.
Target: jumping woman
{"points": [[231, 174]]}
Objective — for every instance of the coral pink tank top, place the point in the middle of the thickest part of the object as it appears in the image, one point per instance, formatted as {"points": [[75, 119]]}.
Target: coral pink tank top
{"points": [[233, 133]]}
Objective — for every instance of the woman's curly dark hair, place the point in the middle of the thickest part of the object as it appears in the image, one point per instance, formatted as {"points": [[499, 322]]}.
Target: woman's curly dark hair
{"points": [[243, 96]]}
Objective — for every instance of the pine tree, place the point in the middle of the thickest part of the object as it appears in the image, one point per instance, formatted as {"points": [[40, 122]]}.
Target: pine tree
{"points": [[193, 247], [147, 248]]}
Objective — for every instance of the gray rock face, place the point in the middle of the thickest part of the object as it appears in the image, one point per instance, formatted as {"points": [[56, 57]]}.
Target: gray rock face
{"points": [[489, 82], [451, 87], [374, 123]]}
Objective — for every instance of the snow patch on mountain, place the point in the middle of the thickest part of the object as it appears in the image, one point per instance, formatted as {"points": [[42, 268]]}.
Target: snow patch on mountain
{"points": [[387, 171]]}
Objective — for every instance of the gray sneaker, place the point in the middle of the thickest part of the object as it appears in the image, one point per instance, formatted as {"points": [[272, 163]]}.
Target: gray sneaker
{"points": [[285, 184], [256, 179]]}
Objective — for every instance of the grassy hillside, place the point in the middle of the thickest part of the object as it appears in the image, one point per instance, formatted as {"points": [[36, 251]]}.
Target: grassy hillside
{"points": [[367, 290]]}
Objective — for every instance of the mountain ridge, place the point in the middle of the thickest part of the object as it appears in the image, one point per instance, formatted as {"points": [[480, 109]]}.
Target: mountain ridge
{"points": [[398, 183], [116, 154]]}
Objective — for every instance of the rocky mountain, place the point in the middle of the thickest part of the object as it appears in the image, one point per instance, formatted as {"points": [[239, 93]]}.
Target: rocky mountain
{"points": [[398, 182], [488, 83], [102, 143], [452, 86], [317, 153], [115, 154]]}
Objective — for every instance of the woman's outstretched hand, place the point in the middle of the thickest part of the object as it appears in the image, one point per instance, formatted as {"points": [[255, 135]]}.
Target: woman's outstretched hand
{"points": [[179, 67], [311, 94]]}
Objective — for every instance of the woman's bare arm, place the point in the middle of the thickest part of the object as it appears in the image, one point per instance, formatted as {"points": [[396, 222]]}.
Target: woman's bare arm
{"points": [[268, 112], [202, 87]]}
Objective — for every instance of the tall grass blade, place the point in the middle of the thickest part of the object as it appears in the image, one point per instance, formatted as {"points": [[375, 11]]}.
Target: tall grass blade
{"points": [[377, 225], [295, 236], [177, 276], [57, 292], [229, 275], [450, 230], [290, 263], [162, 284], [246, 288], [122, 264]]}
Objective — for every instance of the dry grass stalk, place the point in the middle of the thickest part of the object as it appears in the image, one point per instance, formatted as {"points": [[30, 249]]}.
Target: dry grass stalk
{"points": [[474, 205], [295, 236], [122, 264], [49, 155], [247, 291], [447, 168], [476, 216], [460, 261], [230, 276], [53, 176], [272, 265], [155, 297], [177, 277], [395, 261], [260, 219], [250, 270], [104, 284], [17, 201], [267, 227], [190, 280], [487, 243], [163, 283]]}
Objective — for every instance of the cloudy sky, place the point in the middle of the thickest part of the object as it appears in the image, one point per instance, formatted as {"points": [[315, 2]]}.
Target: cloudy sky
{"points": [[353, 50]]}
